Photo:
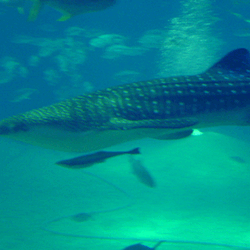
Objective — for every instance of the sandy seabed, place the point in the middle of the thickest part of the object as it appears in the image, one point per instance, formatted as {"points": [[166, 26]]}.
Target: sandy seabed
{"points": [[202, 194]]}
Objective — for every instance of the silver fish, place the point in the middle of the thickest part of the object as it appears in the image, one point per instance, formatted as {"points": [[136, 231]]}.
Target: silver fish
{"points": [[91, 159], [156, 109]]}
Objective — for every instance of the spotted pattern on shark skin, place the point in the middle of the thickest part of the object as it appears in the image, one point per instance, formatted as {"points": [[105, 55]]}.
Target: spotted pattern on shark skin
{"points": [[187, 97]]}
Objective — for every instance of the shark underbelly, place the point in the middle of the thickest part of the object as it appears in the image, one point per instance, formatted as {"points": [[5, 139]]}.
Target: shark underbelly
{"points": [[92, 140]]}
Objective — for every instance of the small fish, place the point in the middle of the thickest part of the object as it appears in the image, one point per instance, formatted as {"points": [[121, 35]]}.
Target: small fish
{"points": [[141, 173], [238, 159], [91, 159], [19, 4], [23, 94], [69, 8], [142, 247], [81, 217]]}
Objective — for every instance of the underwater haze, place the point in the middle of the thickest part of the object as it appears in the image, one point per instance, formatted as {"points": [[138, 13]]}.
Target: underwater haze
{"points": [[201, 193]]}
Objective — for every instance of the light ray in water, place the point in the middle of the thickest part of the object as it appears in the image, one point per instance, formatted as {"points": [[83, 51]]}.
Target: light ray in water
{"points": [[190, 35], [175, 242]]}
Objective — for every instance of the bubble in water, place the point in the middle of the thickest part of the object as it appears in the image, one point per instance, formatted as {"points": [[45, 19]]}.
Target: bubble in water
{"points": [[190, 45]]}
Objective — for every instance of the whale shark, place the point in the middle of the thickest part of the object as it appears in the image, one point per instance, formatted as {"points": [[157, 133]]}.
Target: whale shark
{"points": [[162, 108]]}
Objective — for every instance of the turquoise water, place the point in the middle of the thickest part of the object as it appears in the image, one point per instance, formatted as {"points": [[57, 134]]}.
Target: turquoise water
{"points": [[202, 182]]}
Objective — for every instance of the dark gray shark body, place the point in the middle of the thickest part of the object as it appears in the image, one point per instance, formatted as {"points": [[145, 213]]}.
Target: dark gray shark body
{"points": [[159, 108]]}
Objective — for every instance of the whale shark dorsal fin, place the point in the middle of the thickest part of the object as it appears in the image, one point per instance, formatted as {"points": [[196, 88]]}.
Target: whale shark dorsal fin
{"points": [[235, 61]]}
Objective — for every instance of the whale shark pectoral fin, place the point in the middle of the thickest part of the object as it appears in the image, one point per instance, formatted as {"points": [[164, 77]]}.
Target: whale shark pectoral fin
{"points": [[175, 136], [121, 123], [35, 9]]}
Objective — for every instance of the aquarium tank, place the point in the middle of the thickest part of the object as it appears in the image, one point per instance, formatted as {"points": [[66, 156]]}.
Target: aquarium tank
{"points": [[76, 182]]}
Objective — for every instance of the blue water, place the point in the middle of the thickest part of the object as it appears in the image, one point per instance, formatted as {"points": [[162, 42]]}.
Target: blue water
{"points": [[201, 196]]}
